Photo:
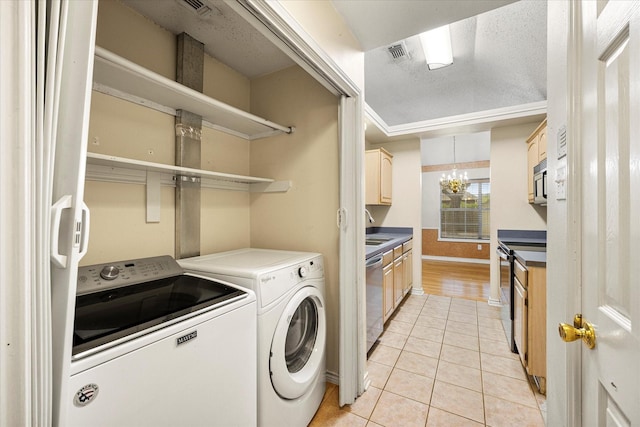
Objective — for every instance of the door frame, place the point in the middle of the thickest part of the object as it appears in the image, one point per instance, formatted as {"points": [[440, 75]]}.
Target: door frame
{"points": [[564, 85], [570, 81]]}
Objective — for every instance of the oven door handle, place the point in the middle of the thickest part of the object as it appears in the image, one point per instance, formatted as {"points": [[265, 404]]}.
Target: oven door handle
{"points": [[504, 255]]}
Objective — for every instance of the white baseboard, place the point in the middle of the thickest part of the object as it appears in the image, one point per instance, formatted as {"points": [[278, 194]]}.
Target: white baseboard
{"points": [[332, 377], [494, 302], [453, 259], [417, 291]]}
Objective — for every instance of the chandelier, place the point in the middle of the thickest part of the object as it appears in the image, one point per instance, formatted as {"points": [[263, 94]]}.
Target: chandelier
{"points": [[454, 182]]}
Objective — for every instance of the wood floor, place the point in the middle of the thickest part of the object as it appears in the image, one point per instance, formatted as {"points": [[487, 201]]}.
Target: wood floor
{"points": [[456, 279]]}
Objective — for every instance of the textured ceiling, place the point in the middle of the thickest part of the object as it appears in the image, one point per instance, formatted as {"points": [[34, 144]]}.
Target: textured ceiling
{"points": [[226, 36], [499, 61], [376, 23], [499, 55]]}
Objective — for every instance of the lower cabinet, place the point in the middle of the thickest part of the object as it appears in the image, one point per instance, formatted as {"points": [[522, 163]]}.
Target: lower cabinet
{"points": [[407, 266], [530, 306], [537, 325], [387, 286], [397, 277]]}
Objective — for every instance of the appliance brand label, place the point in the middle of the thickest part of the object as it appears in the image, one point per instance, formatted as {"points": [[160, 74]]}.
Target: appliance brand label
{"points": [[86, 395], [267, 279], [186, 338]]}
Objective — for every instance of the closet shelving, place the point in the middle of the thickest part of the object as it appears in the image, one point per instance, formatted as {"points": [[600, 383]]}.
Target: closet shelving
{"points": [[121, 78]]}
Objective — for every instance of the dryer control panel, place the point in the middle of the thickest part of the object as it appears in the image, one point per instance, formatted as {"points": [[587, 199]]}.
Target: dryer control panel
{"points": [[275, 284], [99, 277]]}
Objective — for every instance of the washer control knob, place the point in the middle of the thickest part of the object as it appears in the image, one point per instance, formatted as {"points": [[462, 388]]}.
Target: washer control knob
{"points": [[302, 271], [109, 272]]}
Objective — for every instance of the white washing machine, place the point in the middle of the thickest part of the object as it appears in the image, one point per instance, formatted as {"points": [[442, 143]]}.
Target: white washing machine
{"points": [[154, 346], [289, 288]]}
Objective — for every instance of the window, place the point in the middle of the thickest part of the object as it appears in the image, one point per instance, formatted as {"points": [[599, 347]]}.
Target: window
{"points": [[466, 215]]}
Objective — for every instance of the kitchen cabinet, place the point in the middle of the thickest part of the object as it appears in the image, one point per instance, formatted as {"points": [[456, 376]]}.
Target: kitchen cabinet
{"points": [[121, 78], [520, 314], [398, 276], [378, 170], [407, 266], [530, 319], [536, 152], [537, 323], [397, 266], [387, 285]]}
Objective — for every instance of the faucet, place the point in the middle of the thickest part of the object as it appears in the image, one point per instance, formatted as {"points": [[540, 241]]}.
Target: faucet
{"points": [[371, 220]]}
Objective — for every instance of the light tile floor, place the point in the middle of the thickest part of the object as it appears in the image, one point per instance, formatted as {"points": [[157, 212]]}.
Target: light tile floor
{"points": [[441, 362]]}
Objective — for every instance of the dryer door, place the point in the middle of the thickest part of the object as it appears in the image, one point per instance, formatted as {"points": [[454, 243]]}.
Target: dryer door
{"points": [[297, 349]]}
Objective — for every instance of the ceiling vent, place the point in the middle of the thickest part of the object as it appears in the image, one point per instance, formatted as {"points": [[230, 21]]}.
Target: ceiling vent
{"points": [[399, 52], [196, 6]]}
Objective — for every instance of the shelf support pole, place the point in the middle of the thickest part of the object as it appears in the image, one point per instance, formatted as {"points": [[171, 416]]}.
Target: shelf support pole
{"points": [[189, 72]]}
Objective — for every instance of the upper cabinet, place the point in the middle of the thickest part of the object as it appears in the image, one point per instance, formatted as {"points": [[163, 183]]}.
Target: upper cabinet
{"points": [[379, 169], [536, 152]]}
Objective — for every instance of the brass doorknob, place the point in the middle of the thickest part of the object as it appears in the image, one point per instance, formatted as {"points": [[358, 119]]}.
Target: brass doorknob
{"points": [[579, 330]]}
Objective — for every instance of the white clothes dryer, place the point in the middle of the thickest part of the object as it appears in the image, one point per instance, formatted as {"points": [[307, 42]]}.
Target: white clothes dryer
{"points": [[289, 289]]}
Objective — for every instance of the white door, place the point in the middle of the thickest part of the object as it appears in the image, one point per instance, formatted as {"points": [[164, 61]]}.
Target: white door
{"points": [[610, 212], [69, 215]]}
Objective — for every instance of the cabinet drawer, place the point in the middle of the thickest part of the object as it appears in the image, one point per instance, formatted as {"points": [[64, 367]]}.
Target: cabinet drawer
{"points": [[397, 251], [521, 273], [407, 245], [387, 258]]}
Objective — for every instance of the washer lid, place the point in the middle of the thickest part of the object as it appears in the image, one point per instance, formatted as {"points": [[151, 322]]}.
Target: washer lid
{"points": [[247, 262], [103, 317]]}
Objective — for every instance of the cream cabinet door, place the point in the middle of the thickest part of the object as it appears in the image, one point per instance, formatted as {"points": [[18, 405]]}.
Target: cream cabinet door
{"points": [[386, 178], [387, 291], [532, 160]]}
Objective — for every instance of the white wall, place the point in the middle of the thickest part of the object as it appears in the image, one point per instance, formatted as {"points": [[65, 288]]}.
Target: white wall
{"points": [[510, 208], [560, 297], [325, 25], [405, 208], [118, 222], [470, 147], [304, 218]]}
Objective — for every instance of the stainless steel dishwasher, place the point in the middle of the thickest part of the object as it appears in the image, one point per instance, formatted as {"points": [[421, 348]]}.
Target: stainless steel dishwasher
{"points": [[375, 323]]}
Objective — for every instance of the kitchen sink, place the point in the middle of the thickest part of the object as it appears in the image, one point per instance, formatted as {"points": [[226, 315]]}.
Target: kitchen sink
{"points": [[375, 241]]}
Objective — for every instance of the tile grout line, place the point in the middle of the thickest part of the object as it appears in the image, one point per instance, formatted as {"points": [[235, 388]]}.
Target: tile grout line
{"points": [[403, 349], [433, 387], [484, 406], [383, 389]]}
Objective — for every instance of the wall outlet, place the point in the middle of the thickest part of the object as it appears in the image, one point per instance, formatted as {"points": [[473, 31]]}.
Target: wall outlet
{"points": [[479, 246]]}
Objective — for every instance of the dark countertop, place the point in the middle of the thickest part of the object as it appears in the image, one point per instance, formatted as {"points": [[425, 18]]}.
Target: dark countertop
{"points": [[397, 236], [522, 237], [528, 246], [531, 258]]}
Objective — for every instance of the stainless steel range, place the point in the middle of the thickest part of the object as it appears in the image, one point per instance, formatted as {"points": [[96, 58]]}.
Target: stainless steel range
{"points": [[510, 241]]}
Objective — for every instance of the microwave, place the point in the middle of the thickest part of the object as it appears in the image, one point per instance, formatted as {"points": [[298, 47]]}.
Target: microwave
{"points": [[540, 183]]}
